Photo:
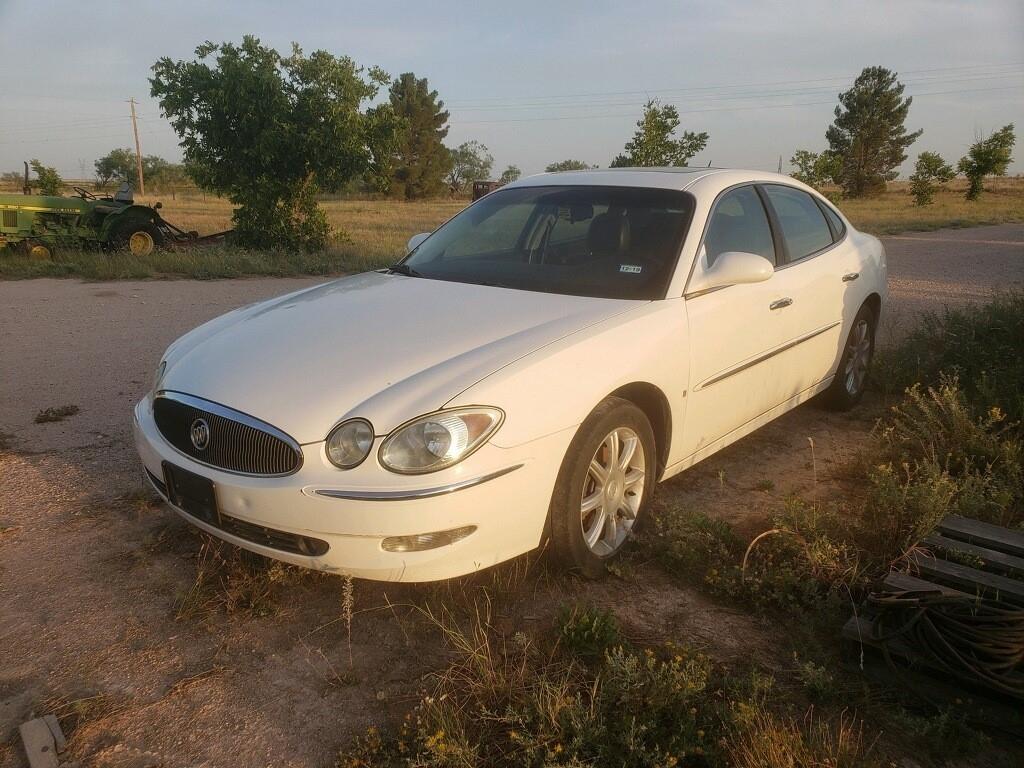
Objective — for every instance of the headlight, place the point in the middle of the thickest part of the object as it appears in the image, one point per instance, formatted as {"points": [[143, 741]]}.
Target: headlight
{"points": [[349, 443], [438, 440]]}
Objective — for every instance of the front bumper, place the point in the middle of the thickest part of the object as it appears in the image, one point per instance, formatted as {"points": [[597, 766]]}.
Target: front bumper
{"points": [[503, 493]]}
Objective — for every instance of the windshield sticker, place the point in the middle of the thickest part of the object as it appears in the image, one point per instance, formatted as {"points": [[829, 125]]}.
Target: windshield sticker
{"points": [[633, 268]]}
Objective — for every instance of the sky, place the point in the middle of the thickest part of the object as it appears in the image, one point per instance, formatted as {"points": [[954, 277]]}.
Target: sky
{"points": [[536, 82]]}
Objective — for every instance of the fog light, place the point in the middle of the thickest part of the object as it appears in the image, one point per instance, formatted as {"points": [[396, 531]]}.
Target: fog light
{"points": [[425, 541]]}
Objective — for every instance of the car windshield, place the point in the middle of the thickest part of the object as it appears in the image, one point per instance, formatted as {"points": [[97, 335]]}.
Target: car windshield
{"points": [[607, 242]]}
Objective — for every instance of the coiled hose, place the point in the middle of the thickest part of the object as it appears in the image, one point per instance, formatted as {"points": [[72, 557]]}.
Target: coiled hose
{"points": [[972, 639]]}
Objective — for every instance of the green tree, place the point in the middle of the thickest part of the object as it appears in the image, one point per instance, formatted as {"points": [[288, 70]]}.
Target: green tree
{"points": [[49, 181], [654, 143], [470, 162], [930, 170], [869, 131], [510, 174], [271, 132], [987, 157], [568, 165], [815, 168], [119, 166], [421, 161]]}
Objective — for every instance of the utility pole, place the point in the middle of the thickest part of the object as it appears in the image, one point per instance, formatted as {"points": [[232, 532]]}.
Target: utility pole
{"points": [[138, 151]]}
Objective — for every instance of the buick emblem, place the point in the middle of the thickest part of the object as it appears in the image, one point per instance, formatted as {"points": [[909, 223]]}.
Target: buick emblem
{"points": [[200, 434]]}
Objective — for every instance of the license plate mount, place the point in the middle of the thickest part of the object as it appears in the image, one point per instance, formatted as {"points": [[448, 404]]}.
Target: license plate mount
{"points": [[193, 493]]}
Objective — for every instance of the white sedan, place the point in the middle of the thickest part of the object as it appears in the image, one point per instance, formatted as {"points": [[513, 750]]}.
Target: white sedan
{"points": [[526, 374]]}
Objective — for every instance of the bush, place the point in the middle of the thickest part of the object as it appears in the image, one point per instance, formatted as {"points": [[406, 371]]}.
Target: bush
{"points": [[983, 346]]}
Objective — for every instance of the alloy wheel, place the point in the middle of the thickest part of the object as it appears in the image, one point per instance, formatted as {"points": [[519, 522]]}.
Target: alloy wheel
{"points": [[613, 491], [858, 357]]}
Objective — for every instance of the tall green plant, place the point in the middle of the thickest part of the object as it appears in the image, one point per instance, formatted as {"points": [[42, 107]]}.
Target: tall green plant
{"points": [[869, 131], [987, 157], [421, 161], [270, 132], [655, 142], [49, 181], [930, 170]]}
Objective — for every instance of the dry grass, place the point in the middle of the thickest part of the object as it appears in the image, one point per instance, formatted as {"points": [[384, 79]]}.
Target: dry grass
{"points": [[371, 230], [894, 211], [369, 234]]}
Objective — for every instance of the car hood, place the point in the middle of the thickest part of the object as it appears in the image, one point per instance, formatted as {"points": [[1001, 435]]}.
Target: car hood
{"points": [[380, 346]]}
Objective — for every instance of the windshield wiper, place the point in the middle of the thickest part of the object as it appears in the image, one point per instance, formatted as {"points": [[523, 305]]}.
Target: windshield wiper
{"points": [[404, 269]]}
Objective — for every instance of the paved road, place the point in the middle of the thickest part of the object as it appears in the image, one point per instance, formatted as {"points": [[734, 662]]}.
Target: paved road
{"points": [[94, 345]]}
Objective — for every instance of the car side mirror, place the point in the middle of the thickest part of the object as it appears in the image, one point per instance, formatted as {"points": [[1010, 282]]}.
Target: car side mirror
{"points": [[415, 240], [733, 268]]}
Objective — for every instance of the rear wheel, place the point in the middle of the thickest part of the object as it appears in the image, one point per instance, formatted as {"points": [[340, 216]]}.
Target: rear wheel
{"points": [[851, 379], [139, 238], [603, 487]]}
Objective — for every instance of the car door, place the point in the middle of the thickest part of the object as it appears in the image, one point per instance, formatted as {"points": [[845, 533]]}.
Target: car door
{"points": [[733, 331], [818, 262]]}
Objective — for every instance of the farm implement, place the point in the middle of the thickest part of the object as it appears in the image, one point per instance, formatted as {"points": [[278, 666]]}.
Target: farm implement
{"points": [[36, 225]]}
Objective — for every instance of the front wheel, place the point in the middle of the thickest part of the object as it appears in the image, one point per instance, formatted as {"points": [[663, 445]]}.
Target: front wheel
{"points": [[603, 487], [851, 379]]}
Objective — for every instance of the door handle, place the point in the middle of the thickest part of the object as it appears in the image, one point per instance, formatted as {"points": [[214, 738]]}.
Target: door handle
{"points": [[850, 277], [780, 303]]}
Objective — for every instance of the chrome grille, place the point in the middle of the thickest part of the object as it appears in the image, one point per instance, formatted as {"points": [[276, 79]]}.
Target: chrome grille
{"points": [[237, 442]]}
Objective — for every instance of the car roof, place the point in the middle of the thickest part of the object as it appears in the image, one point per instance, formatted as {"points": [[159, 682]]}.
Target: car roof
{"points": [[659, 178]]}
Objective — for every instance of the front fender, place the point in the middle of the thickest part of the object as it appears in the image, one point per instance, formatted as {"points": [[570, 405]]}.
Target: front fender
{"points": [[557, 386]]}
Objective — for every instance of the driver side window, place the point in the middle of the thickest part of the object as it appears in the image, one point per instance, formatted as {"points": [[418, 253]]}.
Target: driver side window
{"points": [[739, 223]]}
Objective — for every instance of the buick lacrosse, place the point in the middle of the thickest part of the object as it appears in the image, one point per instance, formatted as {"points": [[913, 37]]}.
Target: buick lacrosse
{"points": [[526, 374]]}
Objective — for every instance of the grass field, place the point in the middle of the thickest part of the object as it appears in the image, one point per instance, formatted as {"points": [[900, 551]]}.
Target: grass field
{"points": [[372, 233]]}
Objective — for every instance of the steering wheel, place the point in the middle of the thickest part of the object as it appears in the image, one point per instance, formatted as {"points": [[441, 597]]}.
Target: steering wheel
{"points": [[85, 194]]}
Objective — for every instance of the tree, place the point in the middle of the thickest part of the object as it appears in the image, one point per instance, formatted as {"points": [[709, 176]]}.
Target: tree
{"points": [[421, 161], [509, 175], [815, 168], [119, 166], [568, 165], [930, 170], [987, 157], [869, 132], [654, 143], [271, 132], [470, 161], [49, 180]]}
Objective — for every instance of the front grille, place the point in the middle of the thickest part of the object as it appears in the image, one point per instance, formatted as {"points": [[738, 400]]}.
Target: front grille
{"points": [[10, 219], [236, 442]]}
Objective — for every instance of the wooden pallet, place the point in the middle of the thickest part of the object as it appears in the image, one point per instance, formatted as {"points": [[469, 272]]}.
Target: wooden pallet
{"points": [[963, 557]]}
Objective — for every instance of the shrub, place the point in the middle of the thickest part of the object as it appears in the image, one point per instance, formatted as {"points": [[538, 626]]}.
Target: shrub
{"points": [[983, 346], [588, 632]]}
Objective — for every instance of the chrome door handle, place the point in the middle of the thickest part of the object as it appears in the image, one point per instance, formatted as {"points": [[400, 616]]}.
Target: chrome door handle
{"points": [[780, 303], [850, 277]]}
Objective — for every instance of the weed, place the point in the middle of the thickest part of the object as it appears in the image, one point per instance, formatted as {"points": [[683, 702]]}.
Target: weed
{"points": [[943, 735], [817, 680], [588, 632], [762, 739], [235, 580], [75, 713], [57, 413], [765, 485]]}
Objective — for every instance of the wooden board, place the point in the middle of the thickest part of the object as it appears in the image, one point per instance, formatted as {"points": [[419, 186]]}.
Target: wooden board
{"points": [[983, 534], [970, 580], [990, 559], [904, 582]]}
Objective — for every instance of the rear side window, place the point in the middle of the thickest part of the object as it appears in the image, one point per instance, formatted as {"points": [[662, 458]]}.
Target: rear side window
{"points": [[838, 228], [804, 228], [739, 223]]}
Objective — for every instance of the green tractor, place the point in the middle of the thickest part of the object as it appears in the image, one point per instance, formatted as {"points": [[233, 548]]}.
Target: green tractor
{"points": [[36, 225]]}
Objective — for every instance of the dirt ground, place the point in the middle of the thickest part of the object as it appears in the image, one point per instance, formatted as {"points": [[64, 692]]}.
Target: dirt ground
{"points": [[91, 573]]}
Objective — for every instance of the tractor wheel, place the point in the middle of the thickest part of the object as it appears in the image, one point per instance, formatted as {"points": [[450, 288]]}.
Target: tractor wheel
{"points": [[39, 252], [139, 238]]}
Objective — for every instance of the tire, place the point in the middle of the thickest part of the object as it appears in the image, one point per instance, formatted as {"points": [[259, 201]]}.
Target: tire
{"points": [[139, 238], [851, 379], [571, 526]]}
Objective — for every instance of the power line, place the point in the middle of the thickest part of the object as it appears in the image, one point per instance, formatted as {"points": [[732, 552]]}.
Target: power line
{"points": [[712, 109]]}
